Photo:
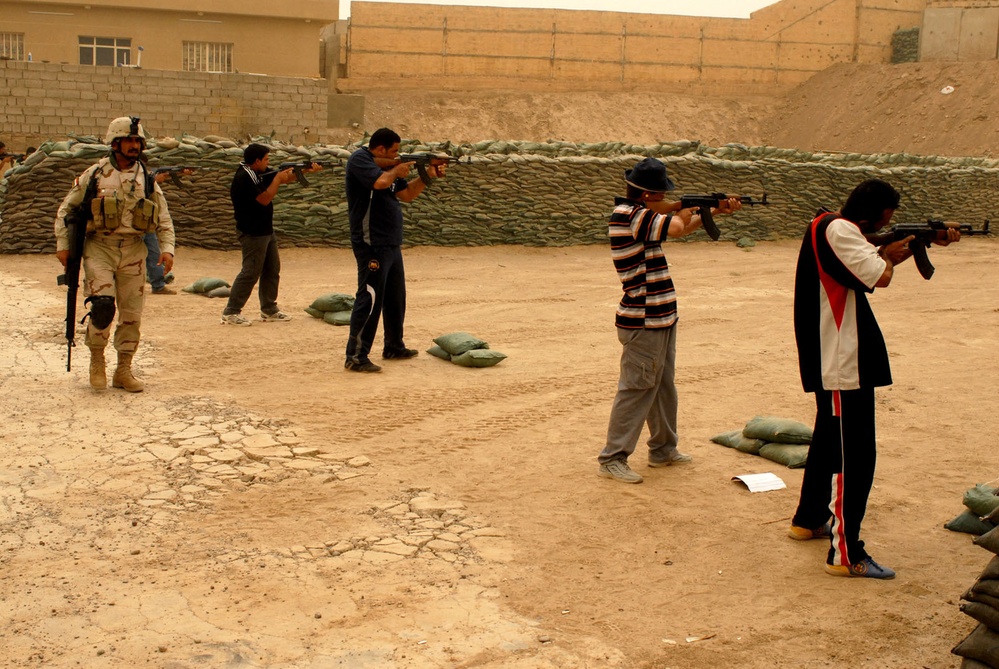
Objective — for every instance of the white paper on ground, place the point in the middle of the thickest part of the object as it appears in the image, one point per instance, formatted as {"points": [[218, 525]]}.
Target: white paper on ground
{"points": [[761, 482]]}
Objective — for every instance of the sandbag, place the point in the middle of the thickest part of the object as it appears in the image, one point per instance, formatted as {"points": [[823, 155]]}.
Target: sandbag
{"points": [[457, 343], [989, 541], [981, 499], [337, 317], [736, 440], [968, 663], [479, 357], [972, 596], [792, 456], [983, 613], [438, 352], [982, 645], [777, 430], [315, 313], [991, 570], [333, 302], [988, 586], [205, 284], [968, 522], [221, 291]]}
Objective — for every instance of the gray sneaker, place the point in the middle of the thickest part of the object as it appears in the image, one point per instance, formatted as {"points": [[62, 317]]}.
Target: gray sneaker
{"points": [[677, 458], [619, 471], [235, 319]]}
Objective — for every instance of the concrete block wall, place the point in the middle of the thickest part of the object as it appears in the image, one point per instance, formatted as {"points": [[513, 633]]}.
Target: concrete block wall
{"points": [[48, 100], [960, 31], [779, 47]]}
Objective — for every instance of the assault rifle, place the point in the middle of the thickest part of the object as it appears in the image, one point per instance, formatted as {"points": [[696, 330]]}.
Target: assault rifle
{"points": [[705, 202], [423, 159], [18, 157], [175, 172], [304, 165], [925, 234], [76, 223]]}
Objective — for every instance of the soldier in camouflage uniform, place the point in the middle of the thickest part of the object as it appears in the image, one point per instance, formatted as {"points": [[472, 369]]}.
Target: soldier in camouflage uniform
{"points": [[127, 204]]}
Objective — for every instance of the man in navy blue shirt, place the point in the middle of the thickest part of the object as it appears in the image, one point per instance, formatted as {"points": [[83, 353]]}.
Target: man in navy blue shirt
{"points": [[376, 185]]}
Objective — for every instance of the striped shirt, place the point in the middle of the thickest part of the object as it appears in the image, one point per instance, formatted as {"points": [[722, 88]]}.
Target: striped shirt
{"points": [[636, 235]]}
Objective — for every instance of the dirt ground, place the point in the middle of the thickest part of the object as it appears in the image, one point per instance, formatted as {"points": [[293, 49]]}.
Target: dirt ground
{"points": [[258, 506]]}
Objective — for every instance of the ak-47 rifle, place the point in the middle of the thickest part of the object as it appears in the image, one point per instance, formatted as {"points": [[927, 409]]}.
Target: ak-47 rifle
{"points": [[705, 202], [76, 223], [302, 165], [425, 158], [925, 234], [174, 172]]}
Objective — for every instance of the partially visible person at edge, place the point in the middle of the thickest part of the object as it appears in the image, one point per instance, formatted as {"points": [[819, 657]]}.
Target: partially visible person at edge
{"points": [[842, 358], [127, 204], [252, 192], [157, 278], [376, 184], [7, 160], [646, 319]]}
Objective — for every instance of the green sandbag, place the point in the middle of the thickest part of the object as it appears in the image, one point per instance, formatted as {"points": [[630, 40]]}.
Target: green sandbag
{"points": [[793, 456], [734, 439], [315, 313], [337, 317], [981, 499], [968, 663], [207, 283], [221, 291], [983, 613], [478, 357], [986, 586], [969, 523], [989, 541], [982, 645], [438, 352], [991, 570], [457, 343], [777, 430], [333, 302]]}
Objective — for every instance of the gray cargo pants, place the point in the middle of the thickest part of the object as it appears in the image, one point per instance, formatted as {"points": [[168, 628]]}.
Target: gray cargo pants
{"points": [[646, 393]]}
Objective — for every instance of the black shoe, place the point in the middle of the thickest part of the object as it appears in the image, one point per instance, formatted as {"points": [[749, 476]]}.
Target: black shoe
{"points": [[361, 366], [401, 354]]}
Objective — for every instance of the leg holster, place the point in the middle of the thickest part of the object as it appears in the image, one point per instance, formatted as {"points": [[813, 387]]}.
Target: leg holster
{"points": [[101, 312]]}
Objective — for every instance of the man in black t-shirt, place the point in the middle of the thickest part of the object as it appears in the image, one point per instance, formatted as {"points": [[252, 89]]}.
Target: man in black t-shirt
{"points": [[252, 193], [376, 184]]}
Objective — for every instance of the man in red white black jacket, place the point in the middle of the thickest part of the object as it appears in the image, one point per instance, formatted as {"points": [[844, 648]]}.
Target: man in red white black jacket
{"points": [[842, 358]]}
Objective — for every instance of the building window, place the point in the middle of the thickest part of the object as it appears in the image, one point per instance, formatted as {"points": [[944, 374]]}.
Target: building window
{"points": [[12, 46], [207, 57], [105, 50]]}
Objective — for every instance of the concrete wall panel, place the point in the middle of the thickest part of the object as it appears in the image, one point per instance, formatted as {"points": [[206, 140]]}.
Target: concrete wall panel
{"points": [[979, 33], [941, 34]]}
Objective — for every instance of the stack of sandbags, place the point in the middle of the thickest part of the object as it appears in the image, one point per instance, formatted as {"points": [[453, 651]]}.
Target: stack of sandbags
{"points": [[981, 602], [208, 287], [981, 512], [782, 440], [466, 350], [334, 308]]}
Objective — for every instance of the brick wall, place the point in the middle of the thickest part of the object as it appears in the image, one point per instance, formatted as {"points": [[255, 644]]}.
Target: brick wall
{"points": [[47, 100]]}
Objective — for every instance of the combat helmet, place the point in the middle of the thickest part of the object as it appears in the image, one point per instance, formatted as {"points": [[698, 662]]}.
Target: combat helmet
{"points": [[125, 126]]}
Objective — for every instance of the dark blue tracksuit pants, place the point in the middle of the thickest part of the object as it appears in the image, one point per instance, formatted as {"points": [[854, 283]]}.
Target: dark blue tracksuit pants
{"points": [[381, 290]]}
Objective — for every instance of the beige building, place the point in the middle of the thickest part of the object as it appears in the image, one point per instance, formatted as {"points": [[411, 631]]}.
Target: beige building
{"points": [[234, 36]]}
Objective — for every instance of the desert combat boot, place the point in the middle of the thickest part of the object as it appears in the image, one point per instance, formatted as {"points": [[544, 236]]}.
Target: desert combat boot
{"points": [[98, 373], [123, 375]]}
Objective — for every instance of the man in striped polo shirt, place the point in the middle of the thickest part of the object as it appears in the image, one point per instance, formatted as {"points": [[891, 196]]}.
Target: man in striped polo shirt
{"points": [[842, 358], [646, 319]]}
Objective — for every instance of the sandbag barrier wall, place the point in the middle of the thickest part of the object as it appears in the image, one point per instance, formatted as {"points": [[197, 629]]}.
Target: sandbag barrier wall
{"points": [[526, 193]]}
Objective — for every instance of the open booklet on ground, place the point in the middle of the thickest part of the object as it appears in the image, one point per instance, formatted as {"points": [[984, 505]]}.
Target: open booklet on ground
{"points": [[761, 482]]}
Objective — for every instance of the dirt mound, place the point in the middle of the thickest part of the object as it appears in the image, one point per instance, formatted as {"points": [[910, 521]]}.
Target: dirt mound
{"points": [[864, 108]]}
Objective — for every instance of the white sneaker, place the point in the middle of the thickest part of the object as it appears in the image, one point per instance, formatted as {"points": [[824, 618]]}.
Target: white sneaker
{"points": [[277, 317], [235, 319], [675, 458]]}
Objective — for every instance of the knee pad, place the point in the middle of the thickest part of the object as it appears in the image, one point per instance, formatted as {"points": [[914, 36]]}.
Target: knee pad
{"points": [[101, 310]]}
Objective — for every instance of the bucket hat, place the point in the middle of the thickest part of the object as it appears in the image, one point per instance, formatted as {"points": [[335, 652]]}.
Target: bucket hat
{"points": [[649, 175]]}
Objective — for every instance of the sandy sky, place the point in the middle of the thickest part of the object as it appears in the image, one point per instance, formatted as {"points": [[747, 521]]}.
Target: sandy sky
{"points": [[730, 8]]}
